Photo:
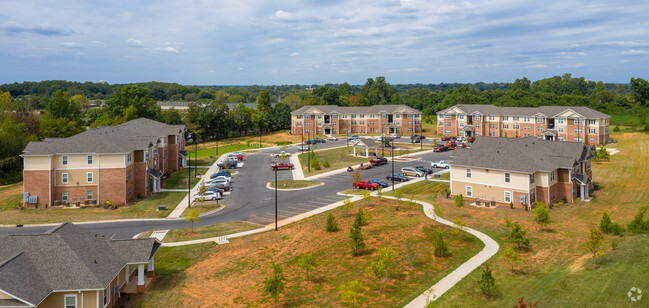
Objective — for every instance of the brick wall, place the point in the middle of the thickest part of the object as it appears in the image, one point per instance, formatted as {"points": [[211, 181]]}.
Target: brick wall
{"points": [[140, 178], [130, 183], [76, 193], [172, 157], [112, 186], [35, 182]]}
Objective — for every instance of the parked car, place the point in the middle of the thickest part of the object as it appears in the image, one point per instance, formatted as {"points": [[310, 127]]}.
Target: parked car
{"points": [[233, 156], [222, 172], [411, 171], [222, 186], [439, 148], [278, 155], [221, 177], [332, 138], [415, 140], [353, 137], [366, 185], [450, 145], [418, 137], [302, 148], [395, 135], [208, 195], [381, 183], [377, 161], [310, 141], [446, 138], [460, 138], [238, 153], [231, 164], [461, 144], [281, 166], [215, 189], [217, 181], [397, 177], [440, 164], [470, 140], [424, 169], [320, 141]]}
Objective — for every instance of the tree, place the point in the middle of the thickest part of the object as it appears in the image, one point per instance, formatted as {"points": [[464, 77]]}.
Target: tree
{"points": [[263, 102], [387, 256], [607, 226], [349, 292], [541, 214], [356, 242], [132, 95], [511, 256], [377, 269], [640, 91], [332, 225], [61, 106], [356, 176], [274, 285], [441, 249], [487, 282], [193, 217], [459, 200], [459, 224], [594, 243], [517, 237], [437, 210], [366, 195], [307, 262], [398, 194], [348, 204], [51, 127], [281, 116]]}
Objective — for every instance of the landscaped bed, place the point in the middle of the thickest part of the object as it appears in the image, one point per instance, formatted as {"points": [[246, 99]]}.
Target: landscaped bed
{"points": [[293, 184], [237, 270], [146, 208]]}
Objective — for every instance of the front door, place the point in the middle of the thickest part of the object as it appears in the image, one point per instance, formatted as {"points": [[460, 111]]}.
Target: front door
{"points": [[327, 131]]}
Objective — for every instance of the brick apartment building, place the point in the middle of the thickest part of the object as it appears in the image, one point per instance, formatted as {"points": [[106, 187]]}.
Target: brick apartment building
{"points": [[376, 120], [562, 123], [115, 163]]}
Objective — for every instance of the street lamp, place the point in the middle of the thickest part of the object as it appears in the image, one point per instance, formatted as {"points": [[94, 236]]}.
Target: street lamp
{"points": [[195, 156], [392, 150], [276, 199], [189, 180]]}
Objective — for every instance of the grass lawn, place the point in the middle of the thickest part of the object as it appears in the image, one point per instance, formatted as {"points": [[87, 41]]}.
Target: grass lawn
{"points": [[342, 158], [206, 207], [557, 272], [178, 179], [11, 196], [146, 208], [178, 235], [291, 184], [170, 268], [237, 270]]}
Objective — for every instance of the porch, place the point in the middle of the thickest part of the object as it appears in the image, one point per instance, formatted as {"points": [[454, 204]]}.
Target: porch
{"points": [[132, 286]]}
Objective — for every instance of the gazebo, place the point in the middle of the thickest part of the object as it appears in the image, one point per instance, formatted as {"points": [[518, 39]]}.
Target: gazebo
{"points": [[366, 145]]}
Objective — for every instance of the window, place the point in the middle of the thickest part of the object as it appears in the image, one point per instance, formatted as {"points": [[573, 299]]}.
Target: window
{"points": [[508, 177], [71, 301], [353, 116], [461, 124], [335, 116], [448, 124], [468, 191], [532, 178], [307, 124], [448, 131], [579, 139], [64, 160], [89, 195], [505, 126], [492, 134], [579, 121], [468, 173], [516, 126], [560, 121], [492, 118], [477, 125], [441, 116], [64, 178], [64, 196], [89, 159], [89, 177], [461, 117], [319, 116], [539, 120], [561, 138], [344, 116], [578, 130], [307, 117], [540, 128], [106, 296], [447, 116], [128, 156], [527, 127], [591, 122], [477, 134], [397, 116], [508, 196], [476, 118], [561, 129], [552, 176], [515, 119], [505, 118], [526, 119], [591, 130], [592, 140], [362, 115]]}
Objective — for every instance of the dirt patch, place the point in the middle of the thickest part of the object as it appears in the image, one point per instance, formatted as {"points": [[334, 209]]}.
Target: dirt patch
{"points": [[578, 264]]}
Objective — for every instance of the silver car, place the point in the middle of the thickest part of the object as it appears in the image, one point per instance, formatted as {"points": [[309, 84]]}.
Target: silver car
{"points": [[409, 171]]}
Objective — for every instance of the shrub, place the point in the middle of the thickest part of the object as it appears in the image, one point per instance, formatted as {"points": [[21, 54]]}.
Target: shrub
{"points": [[326, 164], [315, 164], [487, 282], [616, 128], [517, 237], [459, 200], [362, 217], [541, 214], [332, 225], [356, 242], [441, 249], [511, 205], [638, 224]]}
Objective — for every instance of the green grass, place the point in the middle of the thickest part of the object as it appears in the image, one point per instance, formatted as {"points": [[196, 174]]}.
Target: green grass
{"points": [[179, 235], [170, 266], [222, 149], [146, 208], [292, 184], [11, 196], [178, 179], [206, 207]]}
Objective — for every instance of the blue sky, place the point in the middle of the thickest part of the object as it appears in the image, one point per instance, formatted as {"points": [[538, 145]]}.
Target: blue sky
{"points": [[244, 42]]}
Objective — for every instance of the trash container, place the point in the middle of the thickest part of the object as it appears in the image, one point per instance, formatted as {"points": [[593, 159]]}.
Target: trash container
{"points": [[162, 207]]}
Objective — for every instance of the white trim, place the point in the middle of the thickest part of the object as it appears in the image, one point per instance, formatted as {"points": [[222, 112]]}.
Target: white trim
{"points": [[67, 178], [60, 169], [91, 158], [495, 185], [16, 298], [97, 299], [49, 181], [469, 188], [511, 196], [65, 300], [92, 177]]}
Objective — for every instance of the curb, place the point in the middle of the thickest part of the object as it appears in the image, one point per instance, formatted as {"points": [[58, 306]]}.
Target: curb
{"points": [[292, 189]]}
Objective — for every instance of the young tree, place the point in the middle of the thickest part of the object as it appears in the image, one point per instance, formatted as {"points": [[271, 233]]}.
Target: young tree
{"points": [[410, 252], [380, 192], [541, 214], [594, 243], [349, 292], [307, 262], [274, 285], [193, 217], [356, 242], [511, 256], [387, 256], [362, 217], [348, 204], [487, 282], [377, 269], [366, 195], [459, 200], [332, 225], [441, 249], [356, 176], [517, 237], [459, 223], [605, 223], [437, 210], [398, 194]]}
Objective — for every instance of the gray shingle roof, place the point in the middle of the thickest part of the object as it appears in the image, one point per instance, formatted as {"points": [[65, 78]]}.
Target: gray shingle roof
{"points": [[347, 110], [135, 134], [66, 257], [526, 155], [12, 303], [548, 111]]}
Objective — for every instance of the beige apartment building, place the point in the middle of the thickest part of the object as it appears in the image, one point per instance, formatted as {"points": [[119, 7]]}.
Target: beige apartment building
{"points": [[373, 120], [562, 123], [522, 171], [114, 163]]}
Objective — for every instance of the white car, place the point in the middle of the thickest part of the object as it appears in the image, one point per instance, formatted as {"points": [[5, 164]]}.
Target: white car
{"points": [[278, 155], [208, 195], [395, 135], [217, 181], [222, 178], [302, 148], [353, 137], [332, 138], [237, 153], [440, 164]]}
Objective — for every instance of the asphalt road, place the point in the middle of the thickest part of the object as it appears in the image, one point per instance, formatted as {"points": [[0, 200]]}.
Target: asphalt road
{"points": [[250, 200]]}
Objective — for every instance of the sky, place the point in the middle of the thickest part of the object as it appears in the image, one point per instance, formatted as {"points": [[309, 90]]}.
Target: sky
{"points": [[244, 42]]}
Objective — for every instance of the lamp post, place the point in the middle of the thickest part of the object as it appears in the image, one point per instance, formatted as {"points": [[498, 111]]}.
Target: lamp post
{"points": [[276, 199], [392, 150], [189, 181], [195, 156], [383, 140], [308, 156]]}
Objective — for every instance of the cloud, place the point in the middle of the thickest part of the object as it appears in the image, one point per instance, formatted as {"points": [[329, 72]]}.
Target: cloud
{"points": [[634, 52], [13, 28], [294, 54], [71, 45], [131, 42], [414, 69], [285, 16], [536, 66], [167, 49]]}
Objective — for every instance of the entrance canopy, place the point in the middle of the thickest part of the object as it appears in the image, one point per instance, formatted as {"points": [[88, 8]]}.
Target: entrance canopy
{"points": [[366, 145]]}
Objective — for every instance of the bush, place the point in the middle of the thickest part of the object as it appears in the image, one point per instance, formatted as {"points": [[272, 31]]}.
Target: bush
{"points": [[616, 128], [511, 205], [362, 217], [638, 224], [517, 237], [459, 200], [326, 164], [315, 164], [332, 225], [441, 249]]}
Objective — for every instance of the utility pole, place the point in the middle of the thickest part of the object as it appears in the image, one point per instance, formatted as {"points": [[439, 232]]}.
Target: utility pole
{"points": [[195, 156], [276, 199], [189, 181], [392, 150]]}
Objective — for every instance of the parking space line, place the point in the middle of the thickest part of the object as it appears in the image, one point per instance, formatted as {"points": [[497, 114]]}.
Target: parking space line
{"points": [[299, 208], [295, 213]]}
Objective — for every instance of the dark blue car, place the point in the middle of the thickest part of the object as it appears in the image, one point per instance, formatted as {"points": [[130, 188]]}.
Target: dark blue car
{"points": [[222, 172], [383, 184], [397, 177]]}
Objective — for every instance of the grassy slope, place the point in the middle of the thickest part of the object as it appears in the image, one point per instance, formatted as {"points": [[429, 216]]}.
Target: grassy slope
{"points": [[231, 227], [178, 179]]}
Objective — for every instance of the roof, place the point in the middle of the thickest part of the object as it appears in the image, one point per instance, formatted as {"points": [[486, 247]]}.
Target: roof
{"points": [[346, 110], [547, 111], [133, 135], [368, 143], [526, 155], [66, 257]]}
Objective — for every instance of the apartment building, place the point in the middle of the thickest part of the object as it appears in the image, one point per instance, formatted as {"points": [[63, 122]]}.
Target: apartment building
{"points": [[374, 120], [522, 171], [562, 123], [113, 163]]}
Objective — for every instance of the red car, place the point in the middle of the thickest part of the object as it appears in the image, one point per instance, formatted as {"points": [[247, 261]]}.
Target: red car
{"points": [[238, 156], [446, 138], [377, 161], [282, 166], [367, 184], [439, 148]]}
